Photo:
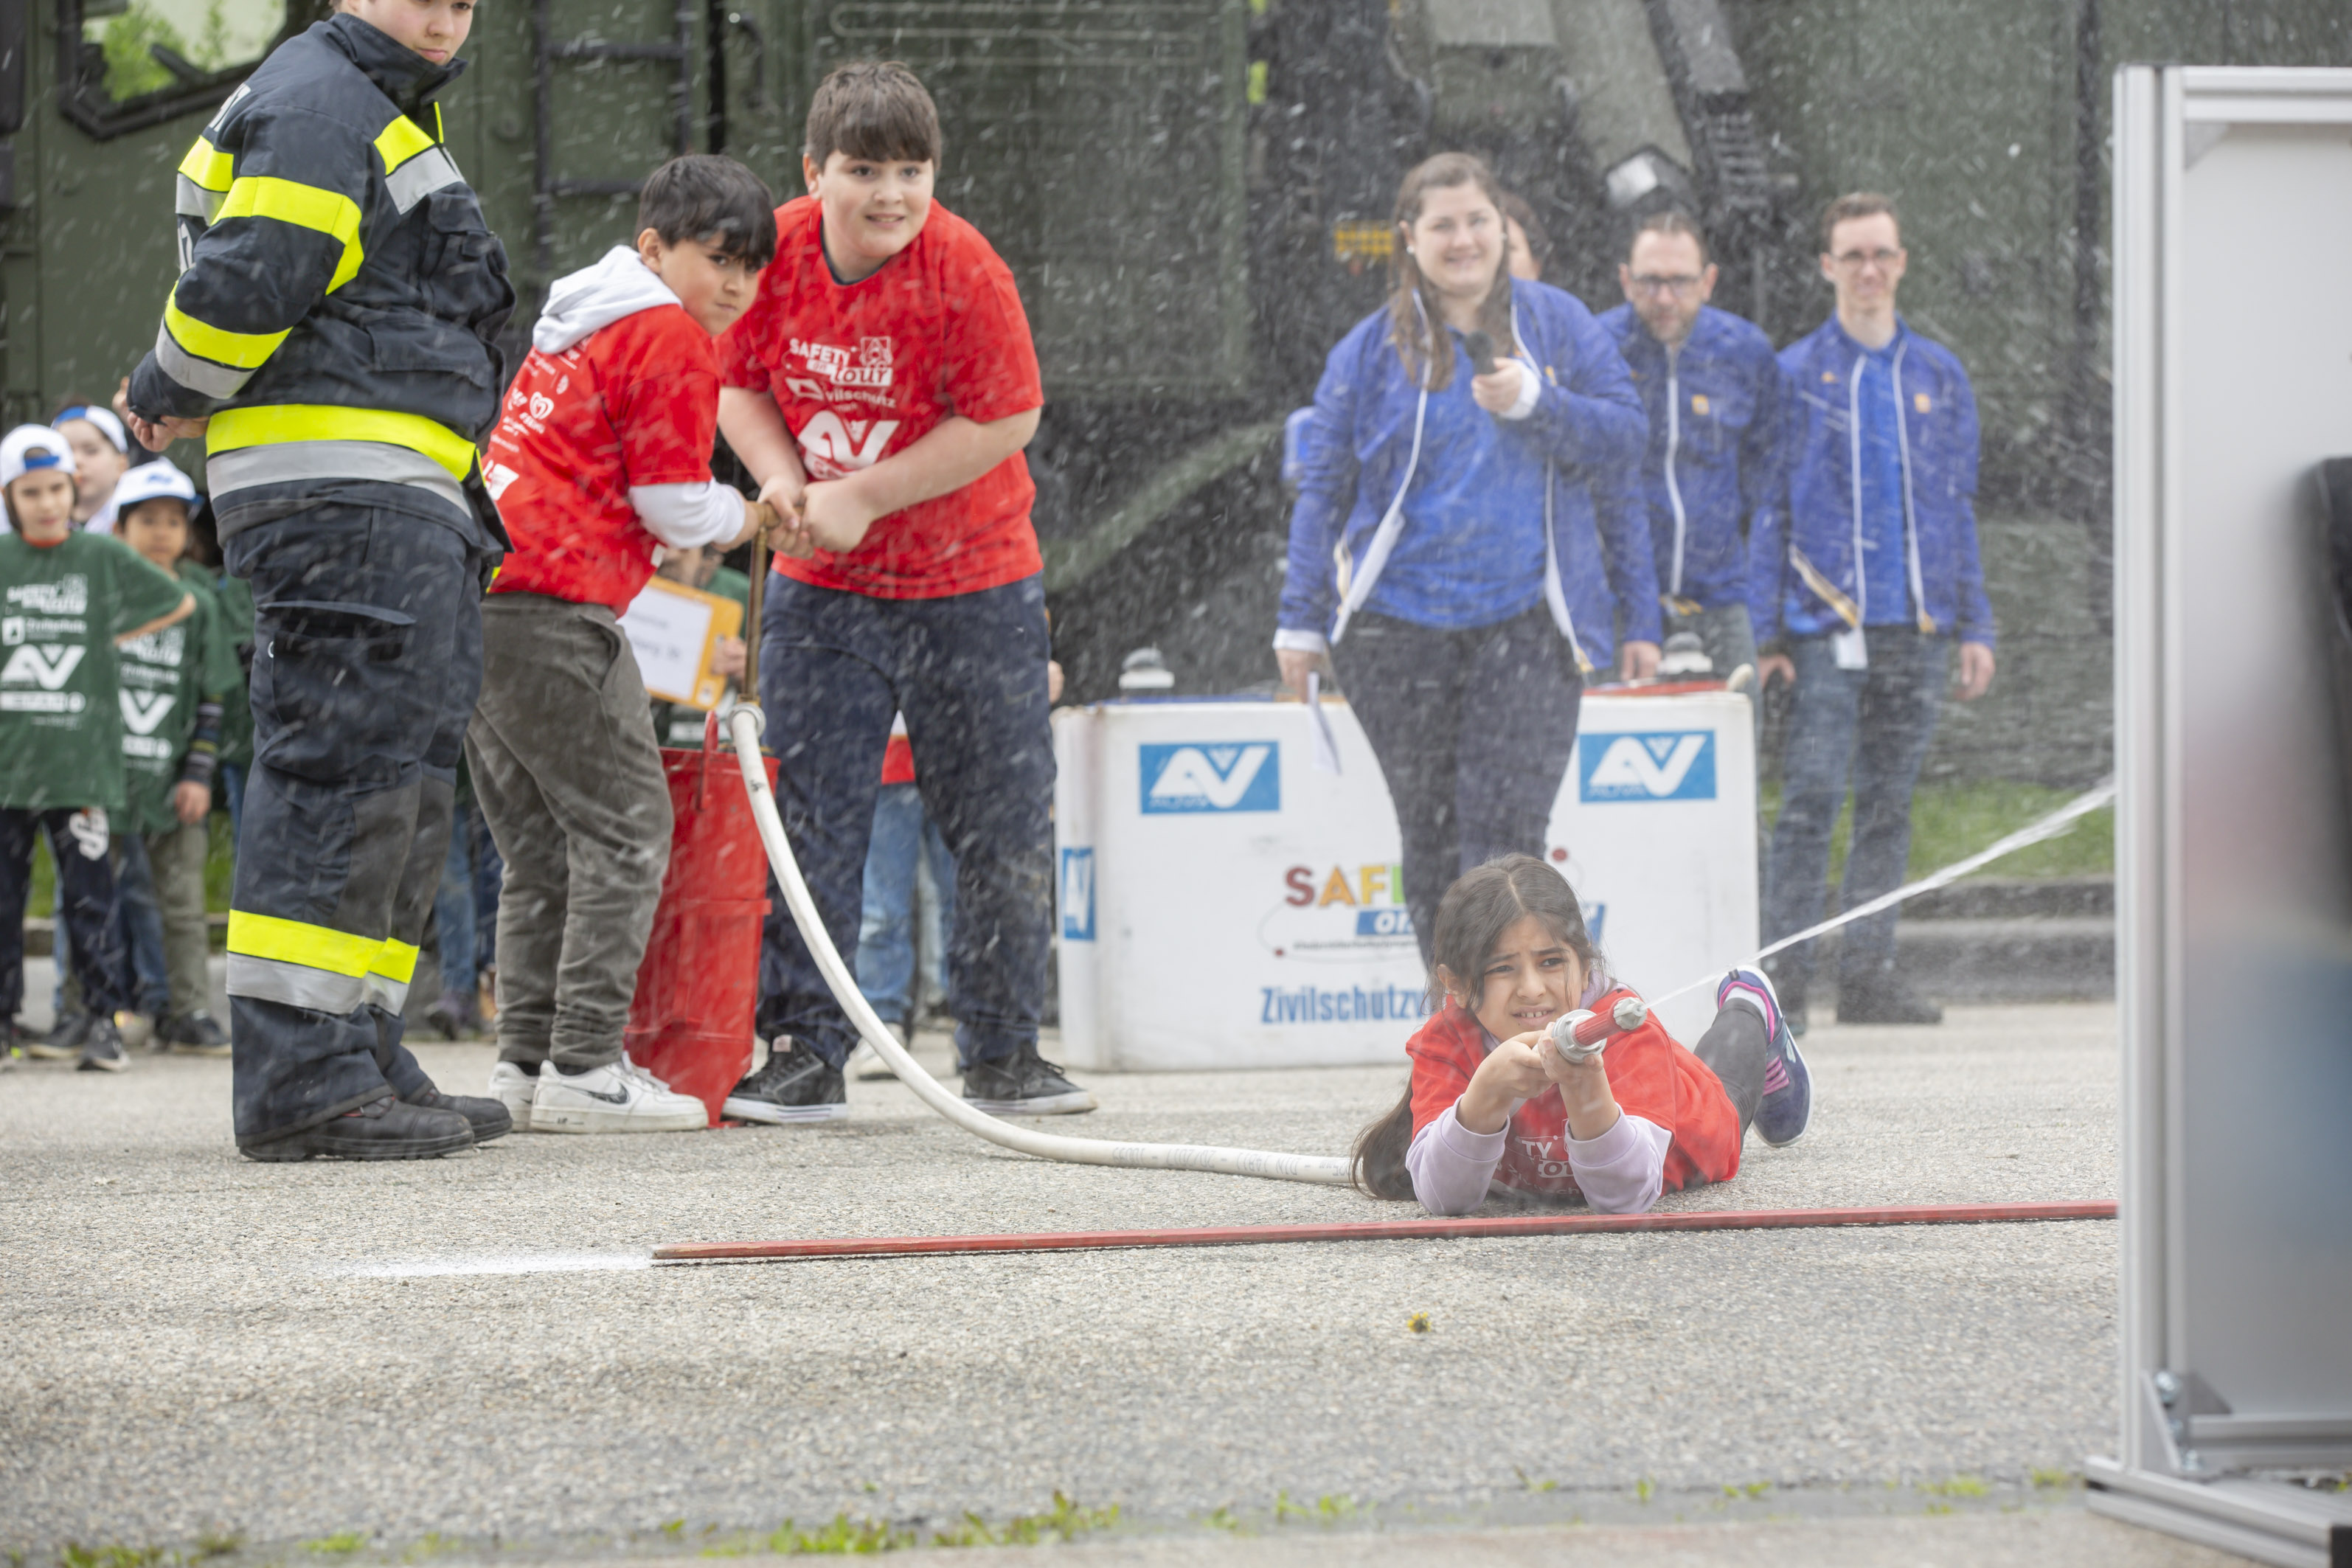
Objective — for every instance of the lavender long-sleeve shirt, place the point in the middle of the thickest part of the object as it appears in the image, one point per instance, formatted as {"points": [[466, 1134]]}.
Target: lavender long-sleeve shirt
{"points": [[1620, 1172]]}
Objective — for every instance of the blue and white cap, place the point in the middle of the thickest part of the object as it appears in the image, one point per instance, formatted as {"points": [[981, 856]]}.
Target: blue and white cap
{"points": [[104, 418], [152, 481], [30, 448]]}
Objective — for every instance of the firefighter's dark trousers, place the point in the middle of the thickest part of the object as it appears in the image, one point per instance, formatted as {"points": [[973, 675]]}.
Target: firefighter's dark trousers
{"points": [[367, 660]]}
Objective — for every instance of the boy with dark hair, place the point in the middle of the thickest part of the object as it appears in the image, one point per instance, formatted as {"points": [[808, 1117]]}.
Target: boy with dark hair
{"points": [[881, 388], [601, 460], [173, 684], [67, 598]]}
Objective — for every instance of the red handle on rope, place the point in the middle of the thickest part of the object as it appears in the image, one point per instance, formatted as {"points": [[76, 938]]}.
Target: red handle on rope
{"points": [[1591, 1030]]}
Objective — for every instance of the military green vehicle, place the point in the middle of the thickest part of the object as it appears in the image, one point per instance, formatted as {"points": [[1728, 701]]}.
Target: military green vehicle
{"points": [[1195, 195]]}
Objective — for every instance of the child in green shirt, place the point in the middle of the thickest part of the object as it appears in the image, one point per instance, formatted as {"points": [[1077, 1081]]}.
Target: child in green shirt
{"points": [[173, 684], [66, 599]]}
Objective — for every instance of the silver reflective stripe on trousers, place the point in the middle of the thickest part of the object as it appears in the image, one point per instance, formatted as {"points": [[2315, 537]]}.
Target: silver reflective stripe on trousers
{"points": [[308, 462], [420, 178], [197, 375], [382, 990], [295, 985], [191, 200]]}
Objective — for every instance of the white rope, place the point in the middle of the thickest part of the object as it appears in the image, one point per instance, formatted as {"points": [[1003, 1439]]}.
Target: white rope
{"points": [[2061, 821], [743, 726]]}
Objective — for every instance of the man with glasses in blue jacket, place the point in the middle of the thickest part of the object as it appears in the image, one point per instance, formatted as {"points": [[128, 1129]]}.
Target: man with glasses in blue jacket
{"points": [[1712, 390], [1864, 580]]}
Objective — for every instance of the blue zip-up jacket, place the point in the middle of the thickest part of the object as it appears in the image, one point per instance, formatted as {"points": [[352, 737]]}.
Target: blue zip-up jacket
{"points": [[1714, 459], [1471, 553], [1805, 554]]}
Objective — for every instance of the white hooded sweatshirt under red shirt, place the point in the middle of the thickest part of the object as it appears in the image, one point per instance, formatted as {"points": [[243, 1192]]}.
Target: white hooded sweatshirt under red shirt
{"points": [[601, 453]]}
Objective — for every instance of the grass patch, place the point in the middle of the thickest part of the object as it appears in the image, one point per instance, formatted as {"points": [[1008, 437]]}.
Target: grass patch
{"points": [[1953, 821], [343, 1544], [1066, 1521]]}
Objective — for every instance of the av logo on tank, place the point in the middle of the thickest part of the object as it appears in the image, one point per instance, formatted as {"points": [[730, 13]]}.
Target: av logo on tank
{"points": [[1077, 895], [1210, 776], [1673, 765]]}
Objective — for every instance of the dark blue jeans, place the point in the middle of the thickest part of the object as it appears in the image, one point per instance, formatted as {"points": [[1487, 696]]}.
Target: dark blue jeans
{"points": [[904, 838], [86, 905], [968, 672], [367, 662], [1474, 730], [139, 926], [1870, 726]]}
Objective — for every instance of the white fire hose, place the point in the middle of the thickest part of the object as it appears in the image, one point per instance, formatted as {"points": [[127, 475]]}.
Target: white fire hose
{"points": [[743, 727]]}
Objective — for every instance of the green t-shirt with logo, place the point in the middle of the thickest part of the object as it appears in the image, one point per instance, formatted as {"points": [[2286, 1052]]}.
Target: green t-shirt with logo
{"points": [[61, 608], [165, 675], [675, 723]]}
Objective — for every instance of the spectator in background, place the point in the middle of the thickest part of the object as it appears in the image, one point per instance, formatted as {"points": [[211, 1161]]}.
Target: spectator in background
{"points": [[702, 567], [1712, 390], [1446, 528], [102, 457], [456, 936], [1530, 250], [1860, 591]]}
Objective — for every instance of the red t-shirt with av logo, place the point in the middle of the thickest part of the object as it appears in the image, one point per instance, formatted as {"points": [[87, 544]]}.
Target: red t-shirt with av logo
{"points": [[863, 371]]}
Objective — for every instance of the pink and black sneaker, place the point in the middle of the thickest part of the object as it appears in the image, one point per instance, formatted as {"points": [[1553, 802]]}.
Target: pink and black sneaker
{"points": [[1788, 1102]]}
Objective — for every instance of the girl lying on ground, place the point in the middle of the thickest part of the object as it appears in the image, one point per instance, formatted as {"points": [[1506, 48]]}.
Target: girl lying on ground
{"points": [[1492, 1104]]}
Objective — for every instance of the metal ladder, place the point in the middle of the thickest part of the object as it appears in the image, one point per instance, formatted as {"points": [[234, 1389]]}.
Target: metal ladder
{"points": [[547, 51]]}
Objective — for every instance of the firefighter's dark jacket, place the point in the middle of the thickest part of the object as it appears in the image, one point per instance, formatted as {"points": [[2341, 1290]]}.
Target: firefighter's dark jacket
{"points": [[340, 294]]}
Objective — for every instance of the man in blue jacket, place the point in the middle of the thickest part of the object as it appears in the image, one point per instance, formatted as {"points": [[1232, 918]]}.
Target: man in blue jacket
{"points": [[1712, 389], [1861, 586]]}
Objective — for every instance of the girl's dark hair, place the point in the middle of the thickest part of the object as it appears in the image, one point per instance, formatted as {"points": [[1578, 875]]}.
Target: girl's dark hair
{"points": [[1515, 208], [1414, 331], [873, 108], [718, 201], [1483, 903]]}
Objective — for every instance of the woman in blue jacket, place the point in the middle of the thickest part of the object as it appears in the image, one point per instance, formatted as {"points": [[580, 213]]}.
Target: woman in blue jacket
{"points": [[1446, 551]]}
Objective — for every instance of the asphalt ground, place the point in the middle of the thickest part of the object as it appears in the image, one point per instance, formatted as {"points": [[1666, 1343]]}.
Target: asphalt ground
{"points": [[471, 1355]]}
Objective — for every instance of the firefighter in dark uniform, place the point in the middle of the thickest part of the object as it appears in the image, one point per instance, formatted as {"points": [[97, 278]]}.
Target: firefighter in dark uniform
{"points": [[330, 337]]}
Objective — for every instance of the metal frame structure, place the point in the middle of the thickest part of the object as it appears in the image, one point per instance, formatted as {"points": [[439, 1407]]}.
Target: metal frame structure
{"points": [[2234, 1392], [547, 52]]}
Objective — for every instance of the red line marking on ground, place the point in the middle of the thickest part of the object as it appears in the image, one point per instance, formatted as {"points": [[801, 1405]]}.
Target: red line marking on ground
{"points": [[1381, 1230]]}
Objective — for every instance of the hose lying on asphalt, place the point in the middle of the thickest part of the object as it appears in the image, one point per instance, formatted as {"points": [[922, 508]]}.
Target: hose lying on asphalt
{"points": [[743, 726], [1383, 1230]]}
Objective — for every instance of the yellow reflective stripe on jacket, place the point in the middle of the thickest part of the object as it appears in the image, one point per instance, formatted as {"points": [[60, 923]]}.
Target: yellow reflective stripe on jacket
{"points": [[307, 206], [402, 140], [275, 424], [395, 959], [244, 351], [296, 941], [209, 166]]}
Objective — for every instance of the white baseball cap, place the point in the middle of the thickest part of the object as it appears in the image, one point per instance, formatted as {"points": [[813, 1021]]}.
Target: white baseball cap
{"points": [[29, 448], [102, 417], [152, 481]]}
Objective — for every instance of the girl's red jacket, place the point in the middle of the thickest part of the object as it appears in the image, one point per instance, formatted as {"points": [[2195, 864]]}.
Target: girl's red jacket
{"points": [[1651, 1073]]}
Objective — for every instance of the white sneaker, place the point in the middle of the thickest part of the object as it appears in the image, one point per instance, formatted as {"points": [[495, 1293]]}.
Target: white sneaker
{"points": [[511, 1086], [865, 1063], [619, 1097]]}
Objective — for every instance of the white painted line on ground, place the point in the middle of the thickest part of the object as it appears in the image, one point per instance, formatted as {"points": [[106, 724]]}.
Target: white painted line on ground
{"points": [[511, 1263]]}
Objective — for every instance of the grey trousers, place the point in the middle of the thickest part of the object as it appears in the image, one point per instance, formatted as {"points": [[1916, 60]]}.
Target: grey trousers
{"points": [[570, 780]]}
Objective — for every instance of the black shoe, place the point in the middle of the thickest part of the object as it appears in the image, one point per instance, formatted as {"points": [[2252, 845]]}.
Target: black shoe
{"points": [[1023, 1084], [195, 1034], [385, 1129], [793, 1085], [1883, 999], [102, 1049], [489, 1118], [63, 1042]]}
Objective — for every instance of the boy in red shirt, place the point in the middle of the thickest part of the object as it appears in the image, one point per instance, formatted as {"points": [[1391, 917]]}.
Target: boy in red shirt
{"points": [[601, 458], [881, 388]]}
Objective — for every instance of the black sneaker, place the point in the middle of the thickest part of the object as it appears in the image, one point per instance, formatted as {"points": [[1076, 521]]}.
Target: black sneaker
{"points": [[384, 1130], [1023, 1084], [1883, 999], [102, 1049], [62, 1043], [196, 1033], [794, 1085], [489, 1118]]}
